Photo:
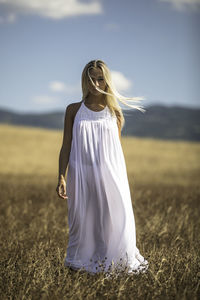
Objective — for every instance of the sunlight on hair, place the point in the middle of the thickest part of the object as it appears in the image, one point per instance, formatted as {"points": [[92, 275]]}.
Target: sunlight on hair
{"points": [[115, 93], [111, 93]]}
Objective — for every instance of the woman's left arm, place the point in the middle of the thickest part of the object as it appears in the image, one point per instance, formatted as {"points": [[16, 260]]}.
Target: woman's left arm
{"points": [[119, 129], [118, 123]]}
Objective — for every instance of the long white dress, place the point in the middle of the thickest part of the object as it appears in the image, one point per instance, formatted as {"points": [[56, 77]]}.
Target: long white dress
{"points": [[102, 235]]}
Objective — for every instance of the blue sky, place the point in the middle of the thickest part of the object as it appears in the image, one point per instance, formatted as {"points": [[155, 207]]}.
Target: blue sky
{"points": [[151, 47]]}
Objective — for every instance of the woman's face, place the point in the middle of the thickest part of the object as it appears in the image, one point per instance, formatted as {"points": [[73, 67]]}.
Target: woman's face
{"points": [[97, 77]]}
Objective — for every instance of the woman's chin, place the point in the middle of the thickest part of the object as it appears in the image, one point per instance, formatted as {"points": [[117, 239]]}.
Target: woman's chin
{"points": [[95, 93]]}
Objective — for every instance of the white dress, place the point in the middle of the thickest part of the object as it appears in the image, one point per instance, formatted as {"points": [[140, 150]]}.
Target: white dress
{"points": [[102, 234]]}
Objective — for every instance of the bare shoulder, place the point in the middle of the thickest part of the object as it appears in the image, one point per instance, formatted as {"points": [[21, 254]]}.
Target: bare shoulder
{"points": [[72, 109]]}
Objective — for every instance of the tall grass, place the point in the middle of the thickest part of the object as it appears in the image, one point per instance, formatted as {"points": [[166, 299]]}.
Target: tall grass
{"points": [[164, 183]]}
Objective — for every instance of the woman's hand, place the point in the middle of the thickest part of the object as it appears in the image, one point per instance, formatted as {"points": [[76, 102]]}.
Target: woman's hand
{"points": [[61, 189]]}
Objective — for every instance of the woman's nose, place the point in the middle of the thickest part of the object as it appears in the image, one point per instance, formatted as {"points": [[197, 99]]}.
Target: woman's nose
{"points": [[96, 82]]}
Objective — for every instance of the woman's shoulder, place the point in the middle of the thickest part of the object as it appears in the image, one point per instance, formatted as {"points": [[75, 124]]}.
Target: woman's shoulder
{"points": [[72, 108], [73, 105]]}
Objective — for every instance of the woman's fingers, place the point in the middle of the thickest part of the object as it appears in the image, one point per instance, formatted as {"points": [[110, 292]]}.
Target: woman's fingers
{"points": [[64, 194], [61, 190]]}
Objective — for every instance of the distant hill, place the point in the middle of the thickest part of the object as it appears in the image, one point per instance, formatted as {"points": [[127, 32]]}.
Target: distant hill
{"points": [[174, 123]]}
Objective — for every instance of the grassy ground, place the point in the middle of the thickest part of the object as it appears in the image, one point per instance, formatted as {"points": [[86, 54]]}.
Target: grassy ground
{"points": [[164, 181]]}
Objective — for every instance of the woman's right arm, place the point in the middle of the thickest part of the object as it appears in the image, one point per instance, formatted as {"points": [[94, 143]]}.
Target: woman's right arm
{"points": [[65, 152]]}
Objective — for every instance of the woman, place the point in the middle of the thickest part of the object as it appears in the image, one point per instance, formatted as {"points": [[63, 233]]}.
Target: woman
{"points": [[101, 222]]}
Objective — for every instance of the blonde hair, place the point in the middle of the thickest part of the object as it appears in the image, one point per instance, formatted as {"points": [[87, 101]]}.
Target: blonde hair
{"points": [[111, 94]]}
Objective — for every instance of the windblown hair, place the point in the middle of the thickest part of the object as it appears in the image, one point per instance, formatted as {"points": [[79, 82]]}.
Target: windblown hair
{"points": [[111, 94]]}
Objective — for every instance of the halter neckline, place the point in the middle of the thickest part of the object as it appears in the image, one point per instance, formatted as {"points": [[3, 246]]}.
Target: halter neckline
{"points": [[94, 110]]}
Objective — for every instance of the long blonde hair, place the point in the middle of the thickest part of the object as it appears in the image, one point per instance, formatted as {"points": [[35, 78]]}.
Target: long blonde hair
{"points": [[111, 94]]}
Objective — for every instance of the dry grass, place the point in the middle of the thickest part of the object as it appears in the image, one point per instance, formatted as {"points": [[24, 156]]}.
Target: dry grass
{"points": [[164, 183]]}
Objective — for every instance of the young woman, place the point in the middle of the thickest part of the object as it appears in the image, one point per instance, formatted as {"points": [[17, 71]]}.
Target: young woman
{"points": [[102, 234]]}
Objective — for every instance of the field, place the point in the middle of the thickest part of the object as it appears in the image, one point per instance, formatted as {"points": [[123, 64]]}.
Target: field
{"points": [[164, 181]]}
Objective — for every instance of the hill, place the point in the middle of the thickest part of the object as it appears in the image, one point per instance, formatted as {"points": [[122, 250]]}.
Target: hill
{"points": [[173, 123]]}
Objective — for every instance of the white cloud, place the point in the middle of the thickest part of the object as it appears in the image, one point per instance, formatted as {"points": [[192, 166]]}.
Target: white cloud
{"points": [[49, 101], [10, 18], [112, 27], [59, 86], [44, 99], [120, 81], [182, 5], [51, 8]]}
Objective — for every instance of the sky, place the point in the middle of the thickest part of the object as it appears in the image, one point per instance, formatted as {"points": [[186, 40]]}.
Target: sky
{"points": [[150, 46]]}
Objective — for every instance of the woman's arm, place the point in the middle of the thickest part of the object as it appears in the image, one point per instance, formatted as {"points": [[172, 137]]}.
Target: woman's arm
{"points": [[119, 129], [66, 143], [118, 123]]}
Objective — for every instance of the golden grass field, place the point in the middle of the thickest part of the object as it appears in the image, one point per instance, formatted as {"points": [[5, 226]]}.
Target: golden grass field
{"points": [[164, 181]]}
